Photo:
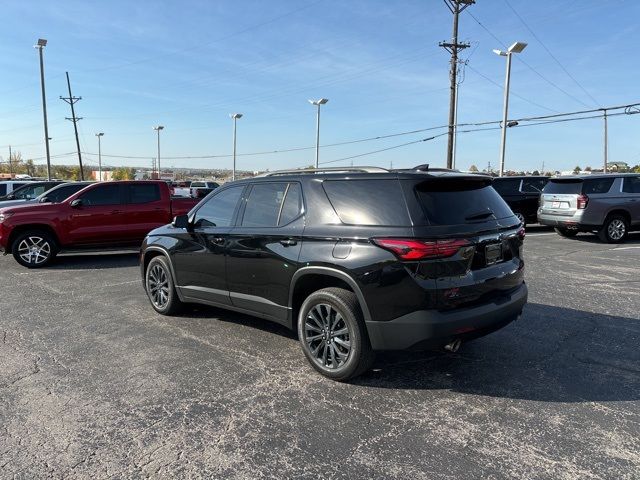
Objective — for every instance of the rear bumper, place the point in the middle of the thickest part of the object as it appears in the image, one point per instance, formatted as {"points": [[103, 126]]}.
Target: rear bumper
{"points": [[576, 221], [430, 328]]}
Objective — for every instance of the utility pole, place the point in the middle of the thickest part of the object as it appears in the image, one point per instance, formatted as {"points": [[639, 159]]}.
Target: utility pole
{"points": [[42, 42], [71, 100], [460, 79], [10, 165], [453, 47], [606, 142]]}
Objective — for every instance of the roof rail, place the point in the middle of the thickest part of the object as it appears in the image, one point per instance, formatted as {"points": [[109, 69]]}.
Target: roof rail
{"points": [[326, 170]]}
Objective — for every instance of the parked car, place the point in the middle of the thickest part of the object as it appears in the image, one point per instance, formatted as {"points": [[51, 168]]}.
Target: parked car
{"points": [[607, 204], [522, 194], [182, 188], [54, 195], [105, 214], [355, 259], [202, 189], [28, 191], [8, 186]]}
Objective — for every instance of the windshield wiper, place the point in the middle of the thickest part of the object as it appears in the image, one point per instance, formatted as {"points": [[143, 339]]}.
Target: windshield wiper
{"points": [[480, 215]]}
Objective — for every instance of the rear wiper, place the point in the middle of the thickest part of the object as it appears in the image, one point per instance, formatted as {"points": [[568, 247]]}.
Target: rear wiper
{"points": [[479, 215]]}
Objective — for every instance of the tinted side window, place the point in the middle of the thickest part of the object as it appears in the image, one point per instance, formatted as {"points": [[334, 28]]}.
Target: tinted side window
{"points": [[3, 189], [368, 202], [292, 206], [597, 185], [533, 185], [507, 186], [263, 205], [631, 185], [102, 195], [143, 193], [218, 210]]}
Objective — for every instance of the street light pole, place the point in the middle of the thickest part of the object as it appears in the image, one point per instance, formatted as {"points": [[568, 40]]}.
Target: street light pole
{"points": [[317, 103], [515, 48], [235, 117], [157, 128], [99, 135], [41, 44]]}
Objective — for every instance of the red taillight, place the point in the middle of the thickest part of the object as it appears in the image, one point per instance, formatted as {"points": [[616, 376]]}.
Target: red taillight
{"points": [[521, 233], [582, 201], [421, 249]]}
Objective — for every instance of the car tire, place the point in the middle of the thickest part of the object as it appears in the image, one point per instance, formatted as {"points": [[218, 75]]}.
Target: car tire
{"points": [[565, 232], [521, 218], [160, 287], [614, 230], [34, 248], [333, 335]]}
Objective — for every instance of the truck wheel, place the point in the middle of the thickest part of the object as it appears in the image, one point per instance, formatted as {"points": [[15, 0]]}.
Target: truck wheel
{"points": [[333, 335], [565, 232], [34, 249], [160, 287], [614, 230]]}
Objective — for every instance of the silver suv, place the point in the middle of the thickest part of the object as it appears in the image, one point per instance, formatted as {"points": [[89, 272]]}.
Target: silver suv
{"points": [[608, 204]]}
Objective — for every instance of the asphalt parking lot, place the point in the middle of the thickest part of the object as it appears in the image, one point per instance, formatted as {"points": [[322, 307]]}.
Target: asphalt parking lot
{"points": [[94, 384]]}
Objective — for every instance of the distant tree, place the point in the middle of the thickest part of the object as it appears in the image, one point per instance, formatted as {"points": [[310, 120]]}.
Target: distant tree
{"points": [[636, 169], [473, 169], [577, 169], [535, 172], [123, 173], [587, 168]]}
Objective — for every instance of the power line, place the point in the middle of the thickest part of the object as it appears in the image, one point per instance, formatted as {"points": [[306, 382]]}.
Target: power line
{"points": [[526, 64], [550, 53]]}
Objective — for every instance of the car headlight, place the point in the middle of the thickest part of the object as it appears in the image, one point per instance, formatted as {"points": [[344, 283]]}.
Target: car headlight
{"points": [[4, 216]]}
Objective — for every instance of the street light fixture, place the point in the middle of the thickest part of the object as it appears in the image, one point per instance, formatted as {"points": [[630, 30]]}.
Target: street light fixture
{"points": [[235, 117], [99, 135], [317, 103], [517, 47], [41, 44], [157, 128]]}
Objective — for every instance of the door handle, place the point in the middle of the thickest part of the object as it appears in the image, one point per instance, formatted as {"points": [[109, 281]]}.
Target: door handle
{"points": [[289, 242]]}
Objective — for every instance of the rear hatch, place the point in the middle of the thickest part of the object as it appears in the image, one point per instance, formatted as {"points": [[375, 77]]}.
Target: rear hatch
{"points": [[469, 243], [560, 196]]}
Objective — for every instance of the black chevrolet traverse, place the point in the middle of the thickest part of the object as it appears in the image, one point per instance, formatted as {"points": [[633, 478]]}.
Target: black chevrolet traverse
{"points": [[355, 259]]}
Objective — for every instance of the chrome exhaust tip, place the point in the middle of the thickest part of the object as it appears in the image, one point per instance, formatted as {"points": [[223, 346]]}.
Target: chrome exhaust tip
{"points": [[453, 346]]}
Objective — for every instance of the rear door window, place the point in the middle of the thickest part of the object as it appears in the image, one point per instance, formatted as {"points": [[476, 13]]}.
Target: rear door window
{"points": [[263, 205], [368, 202], [459, 201], [292, 206], [631, 185], [3, 189], [143, 193]]}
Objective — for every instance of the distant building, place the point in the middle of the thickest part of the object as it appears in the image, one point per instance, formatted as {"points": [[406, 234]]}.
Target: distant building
{"points": [[618, 166]]}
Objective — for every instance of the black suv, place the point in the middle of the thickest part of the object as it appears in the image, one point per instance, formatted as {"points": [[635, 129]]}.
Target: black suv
{"points": [[356, 259], [522, 194]]}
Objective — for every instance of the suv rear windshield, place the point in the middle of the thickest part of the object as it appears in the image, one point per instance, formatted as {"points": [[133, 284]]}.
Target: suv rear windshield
{"points": [[368, 202], [460, 201], [578, 185]]}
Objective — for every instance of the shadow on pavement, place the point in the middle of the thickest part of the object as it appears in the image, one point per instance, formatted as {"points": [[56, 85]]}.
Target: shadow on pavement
{"points": [[632, 239], [550, 354]]}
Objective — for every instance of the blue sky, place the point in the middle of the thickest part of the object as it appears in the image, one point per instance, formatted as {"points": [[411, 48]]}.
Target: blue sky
{"points": [[187, 65]]}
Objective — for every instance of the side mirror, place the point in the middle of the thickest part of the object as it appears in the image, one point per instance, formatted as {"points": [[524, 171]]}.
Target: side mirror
{"points": [[181, 221], [44, 200], [76, 203]]}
